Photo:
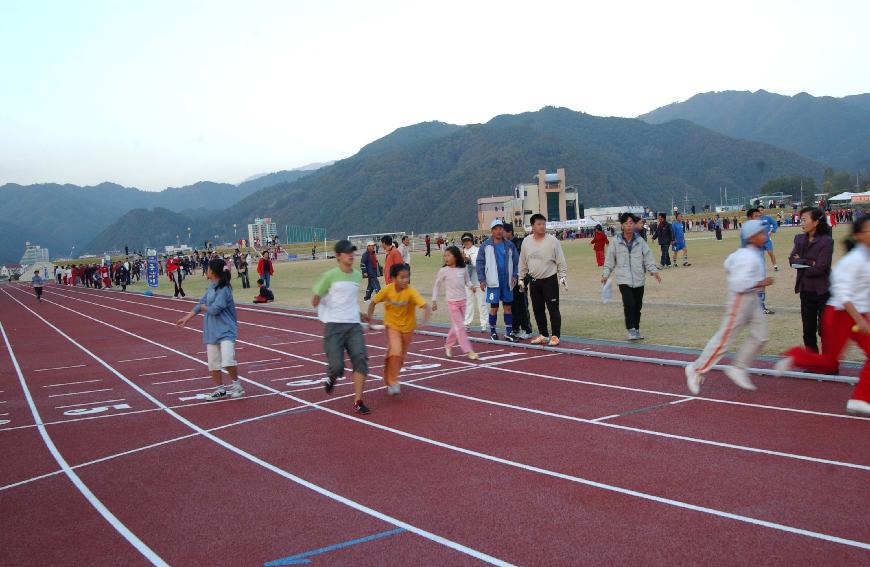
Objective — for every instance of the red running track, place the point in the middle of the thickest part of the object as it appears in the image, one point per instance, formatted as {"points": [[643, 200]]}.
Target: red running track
{"points": [[525, 457]]}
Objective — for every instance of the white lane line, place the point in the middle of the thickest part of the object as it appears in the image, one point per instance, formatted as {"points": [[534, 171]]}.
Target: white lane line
{"points": [[505, 355], [79, 393], [71, 383], [187, 391], [292, 378], [200, 352], [259, 361], [61, 367], [294, 342], [166, 372], [555, 474], [146, 551], [514, 360], [423, 341], [316, 488], [180, 380], [143, 358], [279, 368], [90, 403]]}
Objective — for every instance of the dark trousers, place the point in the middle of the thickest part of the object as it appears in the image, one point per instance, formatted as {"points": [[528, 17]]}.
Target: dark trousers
{"points": [[520, 311], [666, 257], [545, 295], [373, 287], [812, 306], [246, 282], [632, 303], [176, 281]]}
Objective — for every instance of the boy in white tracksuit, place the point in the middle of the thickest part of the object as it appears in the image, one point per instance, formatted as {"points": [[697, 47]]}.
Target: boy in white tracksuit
{"points": [[475, 299], [745, 269]]}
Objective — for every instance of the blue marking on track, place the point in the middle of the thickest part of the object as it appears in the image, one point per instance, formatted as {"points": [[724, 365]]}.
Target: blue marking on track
{"points": [[300, 558]]}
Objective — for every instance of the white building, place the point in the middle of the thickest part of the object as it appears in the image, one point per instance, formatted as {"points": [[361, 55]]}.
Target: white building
{"points": [[261, 231], [33, 254]]}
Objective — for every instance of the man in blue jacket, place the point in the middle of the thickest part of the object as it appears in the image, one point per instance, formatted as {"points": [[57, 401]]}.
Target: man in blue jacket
{"points": [[497, 268], [370, 269], [679, 244]]}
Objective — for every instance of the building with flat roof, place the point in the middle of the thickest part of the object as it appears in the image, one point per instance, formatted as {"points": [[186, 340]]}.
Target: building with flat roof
{"points": [[491, 208], [33, 253], [548, 195], [262, 231]]}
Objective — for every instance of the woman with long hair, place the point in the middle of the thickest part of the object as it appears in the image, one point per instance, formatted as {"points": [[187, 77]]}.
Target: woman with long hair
{"points": [[846, 316], [811, 256]]}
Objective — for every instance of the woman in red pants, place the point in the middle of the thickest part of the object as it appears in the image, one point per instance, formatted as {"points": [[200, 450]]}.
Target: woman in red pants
{"points": [[846, 316], [599, 242]]}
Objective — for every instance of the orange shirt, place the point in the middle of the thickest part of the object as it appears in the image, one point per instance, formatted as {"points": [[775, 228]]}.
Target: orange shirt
{"points": [[400, 307], [393, 257]]}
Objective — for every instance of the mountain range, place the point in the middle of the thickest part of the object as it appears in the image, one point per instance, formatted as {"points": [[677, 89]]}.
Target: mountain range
{"points": [[833, 131], [427, 177]]}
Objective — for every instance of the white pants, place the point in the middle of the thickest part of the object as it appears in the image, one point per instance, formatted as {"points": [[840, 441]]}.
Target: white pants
{"points": [[482, 307], [221, 355], [741, 310]]}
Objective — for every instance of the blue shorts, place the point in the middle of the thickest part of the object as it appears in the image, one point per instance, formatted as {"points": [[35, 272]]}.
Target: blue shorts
{"points": [[768, 245], [503, 294], [677, 246]]}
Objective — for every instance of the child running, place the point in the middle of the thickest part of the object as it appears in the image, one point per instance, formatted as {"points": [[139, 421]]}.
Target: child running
{"points": [[219, 329], [37, 282], [455, 279], [846, 316], [745, 269], [335, 297], [400, 318]]}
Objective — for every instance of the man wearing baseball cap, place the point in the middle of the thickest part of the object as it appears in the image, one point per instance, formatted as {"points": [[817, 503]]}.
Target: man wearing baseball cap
{"points": [[745, 269], [497, 266], [335, 297], [370, 269]]}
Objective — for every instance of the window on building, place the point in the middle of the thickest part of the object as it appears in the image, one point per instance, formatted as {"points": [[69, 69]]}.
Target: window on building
{"points": [[553, 207]]}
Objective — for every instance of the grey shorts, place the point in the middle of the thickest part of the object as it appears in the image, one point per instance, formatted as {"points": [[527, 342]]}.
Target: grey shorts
{"points": [[338, 337]]}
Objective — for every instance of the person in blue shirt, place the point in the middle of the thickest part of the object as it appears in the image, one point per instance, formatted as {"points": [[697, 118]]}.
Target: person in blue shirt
{"points": [[497, 267], [37, 282], [219, 329], [757, 214], [679, 242], [771, 225]]}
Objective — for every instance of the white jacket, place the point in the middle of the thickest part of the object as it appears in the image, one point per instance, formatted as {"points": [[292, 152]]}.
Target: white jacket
{"points": [[850, 280], [629, 267], [745, 268]]}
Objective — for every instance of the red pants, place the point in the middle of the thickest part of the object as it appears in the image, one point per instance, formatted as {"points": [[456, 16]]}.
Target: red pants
{"points": [[836, 330], [599, 257]]}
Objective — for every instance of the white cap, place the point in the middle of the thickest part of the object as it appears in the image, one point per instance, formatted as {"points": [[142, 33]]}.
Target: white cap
{"points": [[495, 223], [370, 243]]}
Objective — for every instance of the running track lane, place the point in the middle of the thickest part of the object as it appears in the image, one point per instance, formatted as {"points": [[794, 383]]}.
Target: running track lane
{"points": [[241, 505]]}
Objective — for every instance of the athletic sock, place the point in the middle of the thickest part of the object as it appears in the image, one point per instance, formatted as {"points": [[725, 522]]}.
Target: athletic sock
{"points": [[508, 323], [493, 319]]}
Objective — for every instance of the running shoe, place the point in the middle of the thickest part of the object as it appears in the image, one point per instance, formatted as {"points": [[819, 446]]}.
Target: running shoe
{"points": [[510, 338], [524, 335], [637, 335], [633, 335], [448, 352], [768, 311], [493, 336], [472, 355], [540, 339], [776, 268], [360, 407], [693, 379], [216, 395], [739, 377], [554, 341], [783, 365], [686, 264], [858, 406], [394, 389], [483, 328], [329, 384], [235, 390]]}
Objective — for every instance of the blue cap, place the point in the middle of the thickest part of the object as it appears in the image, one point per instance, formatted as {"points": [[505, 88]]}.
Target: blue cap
{"points": [[750, 228]]}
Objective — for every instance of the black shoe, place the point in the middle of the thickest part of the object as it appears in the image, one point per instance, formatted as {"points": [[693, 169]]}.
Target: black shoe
{"points": [[493, 336], [360, 407], [510, 338], [330, 384]]}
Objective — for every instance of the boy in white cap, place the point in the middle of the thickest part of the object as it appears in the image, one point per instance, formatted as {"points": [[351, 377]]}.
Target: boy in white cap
{"points": [[745, 269]]}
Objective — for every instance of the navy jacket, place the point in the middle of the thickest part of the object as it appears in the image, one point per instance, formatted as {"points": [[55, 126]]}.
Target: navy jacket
{"points": [[369, 267]]}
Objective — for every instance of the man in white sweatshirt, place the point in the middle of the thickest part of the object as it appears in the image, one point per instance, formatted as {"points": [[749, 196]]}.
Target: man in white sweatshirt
{"points": [[745, 269]]}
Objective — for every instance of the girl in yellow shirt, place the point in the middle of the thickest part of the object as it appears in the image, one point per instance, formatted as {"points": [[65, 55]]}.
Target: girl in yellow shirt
{"points": [[400, 319]]}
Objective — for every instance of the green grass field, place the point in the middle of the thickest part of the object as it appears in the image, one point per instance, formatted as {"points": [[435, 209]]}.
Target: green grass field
{"points": [[684, 310]]}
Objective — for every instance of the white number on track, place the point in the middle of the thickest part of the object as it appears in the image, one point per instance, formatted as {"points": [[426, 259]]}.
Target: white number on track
{"points": [[98, 409]]}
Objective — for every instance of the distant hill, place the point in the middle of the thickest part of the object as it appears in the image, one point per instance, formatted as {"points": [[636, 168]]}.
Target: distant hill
{"points": [[427, 177], [141, 228], [60, 216], [832, 131]]}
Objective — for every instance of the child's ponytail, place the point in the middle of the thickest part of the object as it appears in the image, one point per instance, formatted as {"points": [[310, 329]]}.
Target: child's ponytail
{"points": [[223, 272]]}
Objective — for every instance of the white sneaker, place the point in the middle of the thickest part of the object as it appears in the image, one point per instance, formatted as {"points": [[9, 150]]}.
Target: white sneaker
{"points": [[235, 391], [484, 329], [393, 390], [637, 335], [524, 335], [218, 394], [739, 377], [693, 379], [448, 352], [632, 334], [858, 406], [783, 365]]}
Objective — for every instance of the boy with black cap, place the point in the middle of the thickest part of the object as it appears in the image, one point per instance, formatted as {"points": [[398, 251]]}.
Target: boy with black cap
{"points": [[745, 269], [335, 297]]}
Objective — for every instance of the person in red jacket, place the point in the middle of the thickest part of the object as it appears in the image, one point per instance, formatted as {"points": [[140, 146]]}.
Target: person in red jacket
{"points": [[599, 242], [174, 272], [264, 268], [104, 273], [393, 257]]}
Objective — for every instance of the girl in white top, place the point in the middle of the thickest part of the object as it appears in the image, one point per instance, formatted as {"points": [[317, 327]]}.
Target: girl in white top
{"points": [[454, 277], [846, 316]]}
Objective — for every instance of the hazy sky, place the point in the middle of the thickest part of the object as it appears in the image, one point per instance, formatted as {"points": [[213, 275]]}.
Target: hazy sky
{"points": [[154, 94]]}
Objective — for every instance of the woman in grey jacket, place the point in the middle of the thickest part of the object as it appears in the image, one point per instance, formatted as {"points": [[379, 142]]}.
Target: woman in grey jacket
{"points": [[628, 259]]}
